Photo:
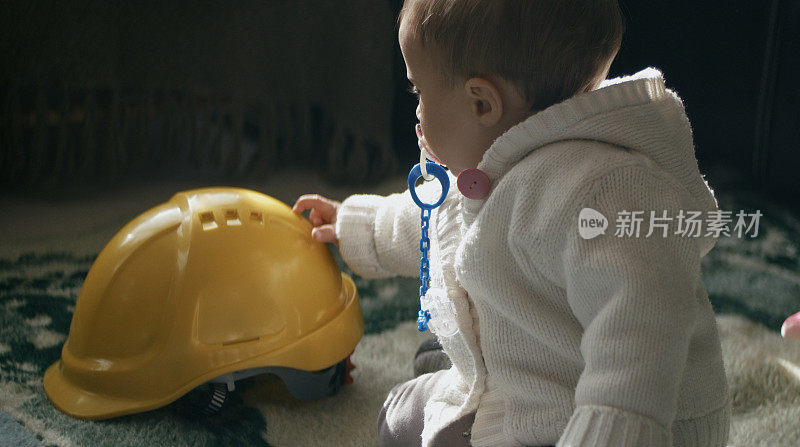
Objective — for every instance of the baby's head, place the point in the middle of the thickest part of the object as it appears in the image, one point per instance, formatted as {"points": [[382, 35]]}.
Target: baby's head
{"points": [[479, 67]]}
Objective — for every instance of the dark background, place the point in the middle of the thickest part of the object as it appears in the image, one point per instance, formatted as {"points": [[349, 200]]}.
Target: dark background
{"points": [[731, 63]]}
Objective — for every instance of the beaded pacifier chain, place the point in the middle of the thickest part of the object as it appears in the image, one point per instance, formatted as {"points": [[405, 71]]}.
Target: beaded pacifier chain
{"points": [[435, 308]]}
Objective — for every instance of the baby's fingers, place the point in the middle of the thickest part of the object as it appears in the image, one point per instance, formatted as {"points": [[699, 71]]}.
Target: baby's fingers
{"points": [[324, 233], [315, 218], [325, 207]]}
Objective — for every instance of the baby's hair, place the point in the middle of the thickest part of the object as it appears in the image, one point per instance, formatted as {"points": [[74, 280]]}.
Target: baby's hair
{"points": [[550, 49]]}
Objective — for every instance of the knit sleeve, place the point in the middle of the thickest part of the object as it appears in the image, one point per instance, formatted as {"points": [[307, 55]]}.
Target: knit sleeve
{"points": [[635, 299], [379, 235]]}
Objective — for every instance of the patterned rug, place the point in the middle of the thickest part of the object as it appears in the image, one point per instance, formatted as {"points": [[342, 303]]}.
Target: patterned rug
{"points": [[756, 281]]}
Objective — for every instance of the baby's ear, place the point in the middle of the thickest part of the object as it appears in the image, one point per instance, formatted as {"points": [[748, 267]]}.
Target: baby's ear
{"points": [[486, 104]]}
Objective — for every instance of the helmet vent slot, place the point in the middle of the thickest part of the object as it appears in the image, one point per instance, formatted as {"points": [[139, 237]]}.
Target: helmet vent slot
{"points": [[257, 217], [241, 340], [232, 218], [207, 220]]}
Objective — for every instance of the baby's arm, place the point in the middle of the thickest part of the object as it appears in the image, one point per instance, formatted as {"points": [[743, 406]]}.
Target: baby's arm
{"points": [[636, 300], [378, 236]]}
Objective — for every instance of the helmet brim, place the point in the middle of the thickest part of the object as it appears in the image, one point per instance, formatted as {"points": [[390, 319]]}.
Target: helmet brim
{"points": [[82, 404]]}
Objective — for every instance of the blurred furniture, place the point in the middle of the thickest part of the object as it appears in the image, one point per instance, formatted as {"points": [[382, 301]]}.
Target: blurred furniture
{"points": [[94, 91]]}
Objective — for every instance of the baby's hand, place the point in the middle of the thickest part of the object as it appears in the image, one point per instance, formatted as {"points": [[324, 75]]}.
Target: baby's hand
{"points": [[322, 216]]}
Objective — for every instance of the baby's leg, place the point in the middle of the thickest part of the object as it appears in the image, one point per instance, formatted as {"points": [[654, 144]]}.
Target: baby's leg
{"points": [[430, 358], [401, 418]]}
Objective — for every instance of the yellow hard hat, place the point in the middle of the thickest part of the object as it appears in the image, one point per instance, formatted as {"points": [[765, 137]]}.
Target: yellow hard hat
{"points": [[214, 285]]}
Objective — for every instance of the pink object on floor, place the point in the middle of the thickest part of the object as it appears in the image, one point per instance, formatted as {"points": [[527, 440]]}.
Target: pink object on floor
{"points": [[791, 327]]}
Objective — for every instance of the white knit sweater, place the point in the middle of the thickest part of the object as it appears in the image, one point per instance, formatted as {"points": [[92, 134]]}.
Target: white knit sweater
{"points": [[609, 341]]}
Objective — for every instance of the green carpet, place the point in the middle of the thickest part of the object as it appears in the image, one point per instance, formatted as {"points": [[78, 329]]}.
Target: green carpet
{"points": [[758, 278]]}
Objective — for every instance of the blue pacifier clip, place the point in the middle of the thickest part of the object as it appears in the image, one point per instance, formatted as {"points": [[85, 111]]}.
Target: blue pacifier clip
{"points": [[439, 172]]}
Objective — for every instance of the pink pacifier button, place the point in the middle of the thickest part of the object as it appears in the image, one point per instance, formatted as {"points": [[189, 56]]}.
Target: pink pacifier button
{"points": [[473, 183]]}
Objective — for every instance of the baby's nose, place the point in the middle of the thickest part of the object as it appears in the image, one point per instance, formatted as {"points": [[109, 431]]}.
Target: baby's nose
{"points": [[417, 112]]}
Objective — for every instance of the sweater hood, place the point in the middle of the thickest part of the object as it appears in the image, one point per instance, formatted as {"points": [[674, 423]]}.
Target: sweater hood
{"points": [[636, 112]]}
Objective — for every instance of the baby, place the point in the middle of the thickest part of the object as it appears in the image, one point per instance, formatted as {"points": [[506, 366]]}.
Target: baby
{"points": [[572, 331]]}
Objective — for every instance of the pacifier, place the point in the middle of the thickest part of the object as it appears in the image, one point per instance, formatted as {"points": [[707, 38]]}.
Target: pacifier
{"points": [[424, 153]]}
